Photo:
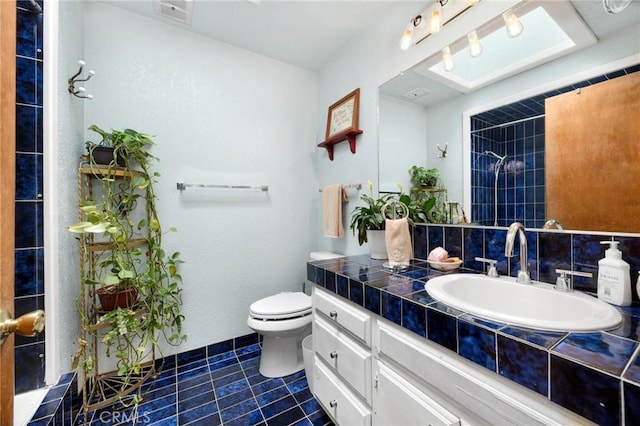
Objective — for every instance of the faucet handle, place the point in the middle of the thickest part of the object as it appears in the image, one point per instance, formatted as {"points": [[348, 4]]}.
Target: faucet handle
{"points": [[492, 272], [563, 283]]}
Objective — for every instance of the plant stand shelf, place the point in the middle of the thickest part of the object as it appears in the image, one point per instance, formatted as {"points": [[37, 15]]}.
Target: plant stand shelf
{"points": [[106, 389], [349, 135], [102, 389]]}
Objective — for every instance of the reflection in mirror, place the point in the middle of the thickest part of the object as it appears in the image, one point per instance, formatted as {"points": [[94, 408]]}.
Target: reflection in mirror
{"points": [[446, 107], [508, 161]]}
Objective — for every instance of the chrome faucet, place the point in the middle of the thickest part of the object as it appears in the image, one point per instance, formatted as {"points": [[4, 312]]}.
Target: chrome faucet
{"points": [[517, 227]]}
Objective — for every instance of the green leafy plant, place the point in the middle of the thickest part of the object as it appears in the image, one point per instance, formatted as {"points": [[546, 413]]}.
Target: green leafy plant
{"points": [[369, 216], [424, 177], [121, 247]]}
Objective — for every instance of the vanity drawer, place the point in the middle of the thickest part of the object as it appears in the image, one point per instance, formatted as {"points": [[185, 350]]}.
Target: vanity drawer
{"points": [[344, 314], [348, 358], [343, 406]]}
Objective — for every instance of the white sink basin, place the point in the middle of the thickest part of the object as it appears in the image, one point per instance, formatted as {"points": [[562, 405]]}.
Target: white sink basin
{"points": [[538, 305]]}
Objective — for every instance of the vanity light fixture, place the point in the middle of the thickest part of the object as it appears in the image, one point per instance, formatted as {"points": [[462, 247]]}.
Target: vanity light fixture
{"points": [[407, 36], [435, 23], [513, 25], [436, 16], [475, 47], [447, 59]]}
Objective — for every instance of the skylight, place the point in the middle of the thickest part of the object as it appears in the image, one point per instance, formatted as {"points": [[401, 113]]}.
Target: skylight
{"points": [[551, 29]]}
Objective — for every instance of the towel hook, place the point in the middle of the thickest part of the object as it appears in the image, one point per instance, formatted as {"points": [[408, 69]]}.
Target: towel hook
{"points": [[79, 92], [443, 151], [395, 204]]}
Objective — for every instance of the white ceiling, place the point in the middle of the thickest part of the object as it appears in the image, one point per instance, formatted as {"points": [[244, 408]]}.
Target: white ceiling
{"points": [[306, 33]]}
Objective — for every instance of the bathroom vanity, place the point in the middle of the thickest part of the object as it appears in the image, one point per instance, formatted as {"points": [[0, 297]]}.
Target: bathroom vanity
{"points": [[386, 353]]}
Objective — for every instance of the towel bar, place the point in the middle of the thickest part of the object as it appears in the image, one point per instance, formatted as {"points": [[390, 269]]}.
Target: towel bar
{"points": [[183, 186], [357, 186]]}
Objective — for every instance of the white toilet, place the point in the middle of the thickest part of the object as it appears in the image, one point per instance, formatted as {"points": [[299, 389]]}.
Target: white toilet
{"points": [[283, 320]]}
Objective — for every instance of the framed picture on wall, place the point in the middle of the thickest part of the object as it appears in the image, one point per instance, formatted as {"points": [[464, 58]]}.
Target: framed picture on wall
{"points": [[343, 115]]}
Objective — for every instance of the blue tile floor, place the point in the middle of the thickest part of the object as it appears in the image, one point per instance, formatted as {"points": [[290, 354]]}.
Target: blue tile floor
{"points": [[225, 389]]}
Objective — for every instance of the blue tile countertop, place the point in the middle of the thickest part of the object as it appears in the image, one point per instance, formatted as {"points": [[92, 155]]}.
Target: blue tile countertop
{"points": [[595, 374]]}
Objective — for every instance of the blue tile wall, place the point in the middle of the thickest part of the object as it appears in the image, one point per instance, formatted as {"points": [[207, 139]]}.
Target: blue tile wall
{"points": [[516, 130], [596, 375], [29, 245]]}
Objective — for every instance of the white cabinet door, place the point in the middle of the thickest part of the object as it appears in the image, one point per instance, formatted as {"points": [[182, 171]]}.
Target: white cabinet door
{"points": [[337, 400], [398, 402]]}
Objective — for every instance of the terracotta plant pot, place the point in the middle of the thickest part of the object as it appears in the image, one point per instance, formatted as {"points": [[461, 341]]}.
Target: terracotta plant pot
{"points": [[112, 297]]}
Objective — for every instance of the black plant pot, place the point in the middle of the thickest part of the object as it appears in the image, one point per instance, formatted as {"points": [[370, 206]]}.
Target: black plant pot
{"points": [[105, 155]]}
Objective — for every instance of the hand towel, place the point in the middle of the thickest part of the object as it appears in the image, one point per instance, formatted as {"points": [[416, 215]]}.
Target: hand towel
{"points": [[332, 198], [399, 249]]}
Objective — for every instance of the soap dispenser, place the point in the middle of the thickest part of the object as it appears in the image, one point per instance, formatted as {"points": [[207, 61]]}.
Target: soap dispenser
{"points": [[614, 278]]}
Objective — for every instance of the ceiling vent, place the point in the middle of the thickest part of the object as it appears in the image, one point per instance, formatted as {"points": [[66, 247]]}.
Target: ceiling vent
{"points": [[178, 10], [416, 93]]}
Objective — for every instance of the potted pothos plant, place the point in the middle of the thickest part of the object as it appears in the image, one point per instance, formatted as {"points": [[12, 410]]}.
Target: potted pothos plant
{"points": [[423, 177], [121, 250], [368, 222]]}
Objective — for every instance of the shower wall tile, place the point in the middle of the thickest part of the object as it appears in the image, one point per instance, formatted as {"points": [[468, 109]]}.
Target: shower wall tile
{"points": [[29, 272], [29, 237], [28, 129]]}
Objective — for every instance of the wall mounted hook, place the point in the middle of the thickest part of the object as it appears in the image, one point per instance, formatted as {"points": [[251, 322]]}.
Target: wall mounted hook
{"points": [[79, 92], [443, 151]]}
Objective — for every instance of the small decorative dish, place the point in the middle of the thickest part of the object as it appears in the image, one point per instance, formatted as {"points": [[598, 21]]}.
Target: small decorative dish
{"points": [[445, 266]]}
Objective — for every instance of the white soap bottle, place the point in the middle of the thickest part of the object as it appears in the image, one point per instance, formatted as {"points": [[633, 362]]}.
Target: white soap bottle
{"points": [[614, 277]]}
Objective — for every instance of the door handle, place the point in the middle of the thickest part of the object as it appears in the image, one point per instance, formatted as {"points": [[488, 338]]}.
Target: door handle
{"points": [[27, 325]]}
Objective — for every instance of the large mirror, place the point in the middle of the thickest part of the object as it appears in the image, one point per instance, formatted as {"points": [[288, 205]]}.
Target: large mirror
{"points": [[427, 121]]}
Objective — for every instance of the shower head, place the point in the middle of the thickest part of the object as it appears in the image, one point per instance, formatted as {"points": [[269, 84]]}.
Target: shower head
{"points": [[495, 155]]}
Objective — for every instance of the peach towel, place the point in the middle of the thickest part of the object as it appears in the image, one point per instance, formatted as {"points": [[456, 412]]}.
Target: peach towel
{"points": [[399, 249], [332, 198]]}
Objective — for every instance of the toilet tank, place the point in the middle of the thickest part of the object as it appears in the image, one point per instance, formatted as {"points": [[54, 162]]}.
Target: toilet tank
{"points": [[324, 255]]}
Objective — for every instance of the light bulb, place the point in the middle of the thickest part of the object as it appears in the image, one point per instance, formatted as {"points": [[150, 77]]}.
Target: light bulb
{"points": [[447, 60], [472, 2], [475, 48], [435, 24], [407, 37], [513, 24]]}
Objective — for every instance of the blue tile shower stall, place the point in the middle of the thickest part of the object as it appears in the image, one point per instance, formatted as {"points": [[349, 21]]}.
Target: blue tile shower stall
{"points": [[516, 130], [29, 245]]}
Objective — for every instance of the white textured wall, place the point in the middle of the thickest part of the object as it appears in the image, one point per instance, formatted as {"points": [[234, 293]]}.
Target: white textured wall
{"points": [[221, 115], [63, 142]]}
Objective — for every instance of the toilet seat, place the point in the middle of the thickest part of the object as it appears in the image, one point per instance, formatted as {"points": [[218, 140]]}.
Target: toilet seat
{"points": [[282, 306]]}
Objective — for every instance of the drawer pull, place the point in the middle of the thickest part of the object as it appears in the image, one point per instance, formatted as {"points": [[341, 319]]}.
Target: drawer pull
{"points": [[333, 314], [334, 354], [333, 404]]}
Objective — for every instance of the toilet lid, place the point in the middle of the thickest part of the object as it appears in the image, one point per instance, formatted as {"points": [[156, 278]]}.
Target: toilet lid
{"points": [[281, 305]]}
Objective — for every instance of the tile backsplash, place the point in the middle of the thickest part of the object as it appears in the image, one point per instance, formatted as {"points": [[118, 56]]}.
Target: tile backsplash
{"points": [[547, 251]]}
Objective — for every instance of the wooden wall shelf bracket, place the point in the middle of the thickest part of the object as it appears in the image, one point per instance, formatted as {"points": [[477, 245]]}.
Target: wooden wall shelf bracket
{"points": [[349, 135]]}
